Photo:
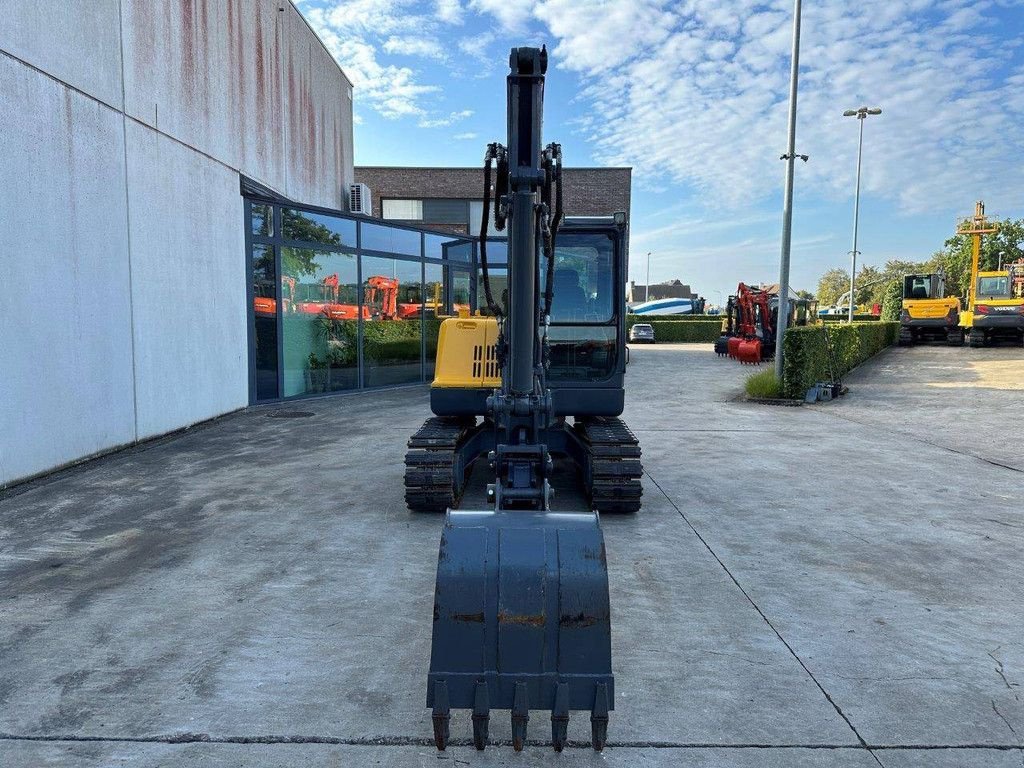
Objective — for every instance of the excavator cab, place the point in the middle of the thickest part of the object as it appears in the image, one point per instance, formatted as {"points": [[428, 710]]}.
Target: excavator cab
{"points": [[521, 609]]}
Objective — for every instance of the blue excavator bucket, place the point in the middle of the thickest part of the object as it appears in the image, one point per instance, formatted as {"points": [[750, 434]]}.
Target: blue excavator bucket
{"points": [[521, 622]]}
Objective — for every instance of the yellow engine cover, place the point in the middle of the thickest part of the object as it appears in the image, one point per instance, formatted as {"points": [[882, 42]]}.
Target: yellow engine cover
{"points": [[467, 354], [930, 309]]}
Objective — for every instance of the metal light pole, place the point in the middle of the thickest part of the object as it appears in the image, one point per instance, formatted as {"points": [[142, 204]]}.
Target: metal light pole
{"points": [[787, 205], [861, 114], [647, 287]]}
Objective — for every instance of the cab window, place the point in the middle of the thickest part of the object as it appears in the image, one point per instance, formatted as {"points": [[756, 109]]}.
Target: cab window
{"points": [[994, 286]]}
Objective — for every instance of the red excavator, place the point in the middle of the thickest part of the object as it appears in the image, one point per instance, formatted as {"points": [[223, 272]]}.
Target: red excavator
{"points": [[329, 305], [380, 301], [382, 294], [754, 339], [266, 306]]}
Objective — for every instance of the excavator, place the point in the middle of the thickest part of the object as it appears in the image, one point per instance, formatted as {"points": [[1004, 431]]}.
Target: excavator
{"points": [[521, 617], [927, 311], [750, 328], [995, 298], [729, 331], [329, 306]]}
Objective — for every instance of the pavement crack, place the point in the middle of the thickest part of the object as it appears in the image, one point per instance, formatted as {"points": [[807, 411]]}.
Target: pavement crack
{"points": [[741, 658], [402, 741], [1006, 722], [764, 617], [1000, 672], [923, 441]]}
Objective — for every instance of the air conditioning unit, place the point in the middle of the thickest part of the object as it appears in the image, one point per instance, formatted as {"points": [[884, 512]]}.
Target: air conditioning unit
{"points": [[359, 200]]}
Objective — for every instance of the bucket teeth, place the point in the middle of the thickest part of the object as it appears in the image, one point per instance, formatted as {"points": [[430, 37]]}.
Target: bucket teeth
{"points": [[441, 715], [599, 718], [520, 717], [560, 718], [481, 715]]}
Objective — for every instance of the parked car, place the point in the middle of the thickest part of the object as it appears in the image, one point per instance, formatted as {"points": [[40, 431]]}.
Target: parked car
{"points": [[642, 332]]}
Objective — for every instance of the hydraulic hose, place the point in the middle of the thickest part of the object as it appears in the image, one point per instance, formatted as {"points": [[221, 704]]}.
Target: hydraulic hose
{"points": [[553, 168], [489, 156]]}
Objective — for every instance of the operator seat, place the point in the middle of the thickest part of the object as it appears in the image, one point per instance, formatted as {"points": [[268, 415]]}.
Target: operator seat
{"points": [[920, 292], [570, 301]]}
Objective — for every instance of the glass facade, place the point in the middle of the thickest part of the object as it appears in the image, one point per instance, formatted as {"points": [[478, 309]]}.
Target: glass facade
{"points": [[341, 302]]}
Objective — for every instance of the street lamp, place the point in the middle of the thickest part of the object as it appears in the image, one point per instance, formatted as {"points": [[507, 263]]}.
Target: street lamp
{"points": [[787, 198], [860, 113], [647, 287]]}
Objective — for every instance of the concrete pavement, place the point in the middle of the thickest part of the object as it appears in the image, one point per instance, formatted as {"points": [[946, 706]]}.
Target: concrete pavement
{"points": [[828, 585]]}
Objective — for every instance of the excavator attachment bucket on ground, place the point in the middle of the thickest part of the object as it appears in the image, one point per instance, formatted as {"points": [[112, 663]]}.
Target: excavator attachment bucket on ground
{"points": [[722, 345], [521, 622], [733, 345], [749, 352]]}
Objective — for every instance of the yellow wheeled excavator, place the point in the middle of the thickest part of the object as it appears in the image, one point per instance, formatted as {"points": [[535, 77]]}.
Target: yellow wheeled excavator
{"points": [[995, 298], [521, 606]]}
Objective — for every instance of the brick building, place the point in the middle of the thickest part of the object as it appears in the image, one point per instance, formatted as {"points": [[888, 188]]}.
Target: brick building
{"points": [[451, 198], [670, 289]]}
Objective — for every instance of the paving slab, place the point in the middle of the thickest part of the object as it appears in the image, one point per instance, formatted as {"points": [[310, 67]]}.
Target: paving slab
{"points": [[28, 755], [966, 394], [793, 576], [888, 565]]}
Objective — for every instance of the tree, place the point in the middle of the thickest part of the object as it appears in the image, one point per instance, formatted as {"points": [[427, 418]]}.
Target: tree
{"points": [[805, 295], [955, 257], [896, 269], [832, 285], [300, 226], [892, 301], [870, 285]]}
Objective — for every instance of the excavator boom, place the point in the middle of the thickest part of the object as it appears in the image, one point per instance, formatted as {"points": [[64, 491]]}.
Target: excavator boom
{"points": [[521, 608]]}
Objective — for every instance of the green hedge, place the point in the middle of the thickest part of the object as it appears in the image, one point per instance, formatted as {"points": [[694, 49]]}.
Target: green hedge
{"points": [[866, 318], [806, 358], [698, 329], [391, 340]]}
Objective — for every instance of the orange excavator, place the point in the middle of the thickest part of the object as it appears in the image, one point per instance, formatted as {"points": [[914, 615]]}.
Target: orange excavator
{"points": [[266, 306], [380, 301], [329, 306], [754, 339]]}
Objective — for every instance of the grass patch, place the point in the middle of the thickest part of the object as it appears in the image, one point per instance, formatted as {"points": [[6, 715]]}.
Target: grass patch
{"points": [[764, 385]]}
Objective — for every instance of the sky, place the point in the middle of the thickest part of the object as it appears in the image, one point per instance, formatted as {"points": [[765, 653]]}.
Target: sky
{"points": [[693, 95]]}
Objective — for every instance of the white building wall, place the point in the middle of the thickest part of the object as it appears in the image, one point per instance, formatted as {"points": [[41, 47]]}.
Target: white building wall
{"points": [[124, 125], [188, 284], [65, 307]]}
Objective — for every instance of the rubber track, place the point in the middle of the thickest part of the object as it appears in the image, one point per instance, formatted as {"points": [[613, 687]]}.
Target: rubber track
{"points": [[429, 464], [615, 465]]}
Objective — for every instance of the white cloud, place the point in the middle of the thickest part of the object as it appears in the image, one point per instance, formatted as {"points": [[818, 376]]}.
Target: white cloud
{"points": [[415, 46], [449, 11], [443, 122], [695, 92], [391, 90], [465, 136], [513, 15], [359, 33]]}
